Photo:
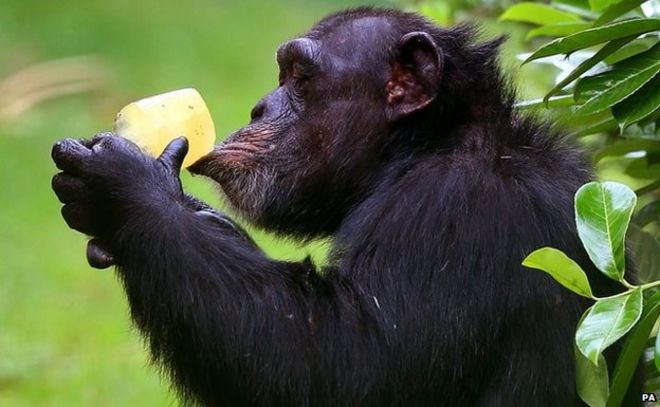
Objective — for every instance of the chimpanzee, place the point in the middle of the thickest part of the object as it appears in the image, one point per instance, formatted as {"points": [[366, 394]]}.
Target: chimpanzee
{"points": [[398, 139]]}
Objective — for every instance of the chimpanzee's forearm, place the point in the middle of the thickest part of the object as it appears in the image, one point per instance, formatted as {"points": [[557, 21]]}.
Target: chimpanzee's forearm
{"points": [[210, 302]]}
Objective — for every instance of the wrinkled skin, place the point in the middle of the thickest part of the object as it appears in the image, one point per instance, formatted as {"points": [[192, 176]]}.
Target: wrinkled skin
{"points": [[398, 139], [293, 143]]}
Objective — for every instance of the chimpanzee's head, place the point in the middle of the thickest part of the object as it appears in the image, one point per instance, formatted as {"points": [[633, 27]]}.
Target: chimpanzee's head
{"points": [[360, 88]]}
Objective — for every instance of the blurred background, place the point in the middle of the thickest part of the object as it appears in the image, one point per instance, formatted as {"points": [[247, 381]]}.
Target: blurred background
{"points": [[66, 68]]}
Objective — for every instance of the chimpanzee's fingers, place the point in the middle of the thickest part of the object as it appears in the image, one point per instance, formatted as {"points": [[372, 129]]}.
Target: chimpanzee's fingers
{"points": [[109, 140], [98, 255], [104, 142], [68, 188], [89, 143], [77, 217], [69, 155], [103, 134], [174, 153]]}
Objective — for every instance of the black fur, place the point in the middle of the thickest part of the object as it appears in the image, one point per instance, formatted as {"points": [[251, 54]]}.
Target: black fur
{"points": [[424, 301]]}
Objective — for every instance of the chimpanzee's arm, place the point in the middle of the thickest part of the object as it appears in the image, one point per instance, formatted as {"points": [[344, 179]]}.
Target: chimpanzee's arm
{"points": [[215, 310], [231, 325]]}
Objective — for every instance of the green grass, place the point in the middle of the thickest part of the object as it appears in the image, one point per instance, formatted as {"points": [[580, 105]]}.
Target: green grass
{"points": [[65, 335]]}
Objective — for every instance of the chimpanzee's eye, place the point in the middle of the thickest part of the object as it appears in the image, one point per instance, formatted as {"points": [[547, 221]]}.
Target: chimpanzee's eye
{"points": [[300, 72]]}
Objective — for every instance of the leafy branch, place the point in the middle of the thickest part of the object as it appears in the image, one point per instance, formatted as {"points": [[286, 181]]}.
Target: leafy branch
{"points": [[603, 212], [621, 72]]}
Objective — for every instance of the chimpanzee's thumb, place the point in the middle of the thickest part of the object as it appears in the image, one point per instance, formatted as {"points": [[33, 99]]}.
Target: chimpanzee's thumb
{"points": [[173, 155]]}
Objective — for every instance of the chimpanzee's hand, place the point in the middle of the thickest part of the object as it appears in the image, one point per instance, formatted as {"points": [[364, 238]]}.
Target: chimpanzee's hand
{"points": [[108, 181]]}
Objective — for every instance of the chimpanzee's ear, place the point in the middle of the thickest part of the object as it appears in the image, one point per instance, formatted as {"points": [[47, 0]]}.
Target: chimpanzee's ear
{"points": [[415, 75]]}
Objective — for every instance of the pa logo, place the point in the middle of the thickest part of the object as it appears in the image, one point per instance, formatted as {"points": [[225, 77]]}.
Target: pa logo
{"points": [[649, 397]]}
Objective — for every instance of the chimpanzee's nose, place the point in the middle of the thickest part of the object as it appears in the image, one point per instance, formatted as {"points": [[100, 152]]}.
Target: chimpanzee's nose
{"points": [[258, 110]]}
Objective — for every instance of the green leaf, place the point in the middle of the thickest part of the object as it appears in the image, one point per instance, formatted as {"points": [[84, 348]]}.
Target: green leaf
{"points": [[642, 168], [560, 267], [617, 9], [599, 5], [591, 86], [639, 105], [572, 121], [555, 101], [585, 125], [632, 350], [620, 90], [649, 213], [557, 30], [537, 13], [626, 146], [636, 47], [591, 380], [602, 212], [603, 126], [607, 321], [646, 252], [595, 36], [608, 49]]}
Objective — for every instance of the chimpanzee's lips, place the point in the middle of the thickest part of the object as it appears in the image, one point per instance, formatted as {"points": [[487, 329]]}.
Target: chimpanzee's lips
{"points": [[223, 156], [200, 166]]}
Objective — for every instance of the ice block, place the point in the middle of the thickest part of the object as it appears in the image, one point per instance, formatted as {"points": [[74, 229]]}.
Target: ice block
{"points": [[153, 122]]}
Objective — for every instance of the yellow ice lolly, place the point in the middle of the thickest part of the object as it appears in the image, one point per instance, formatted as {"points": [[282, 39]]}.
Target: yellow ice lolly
{"points": [[153, 122]]}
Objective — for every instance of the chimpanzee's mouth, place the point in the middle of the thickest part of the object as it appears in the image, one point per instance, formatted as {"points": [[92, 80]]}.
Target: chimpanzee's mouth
{"points": [[225, 156], [240, 151]]}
